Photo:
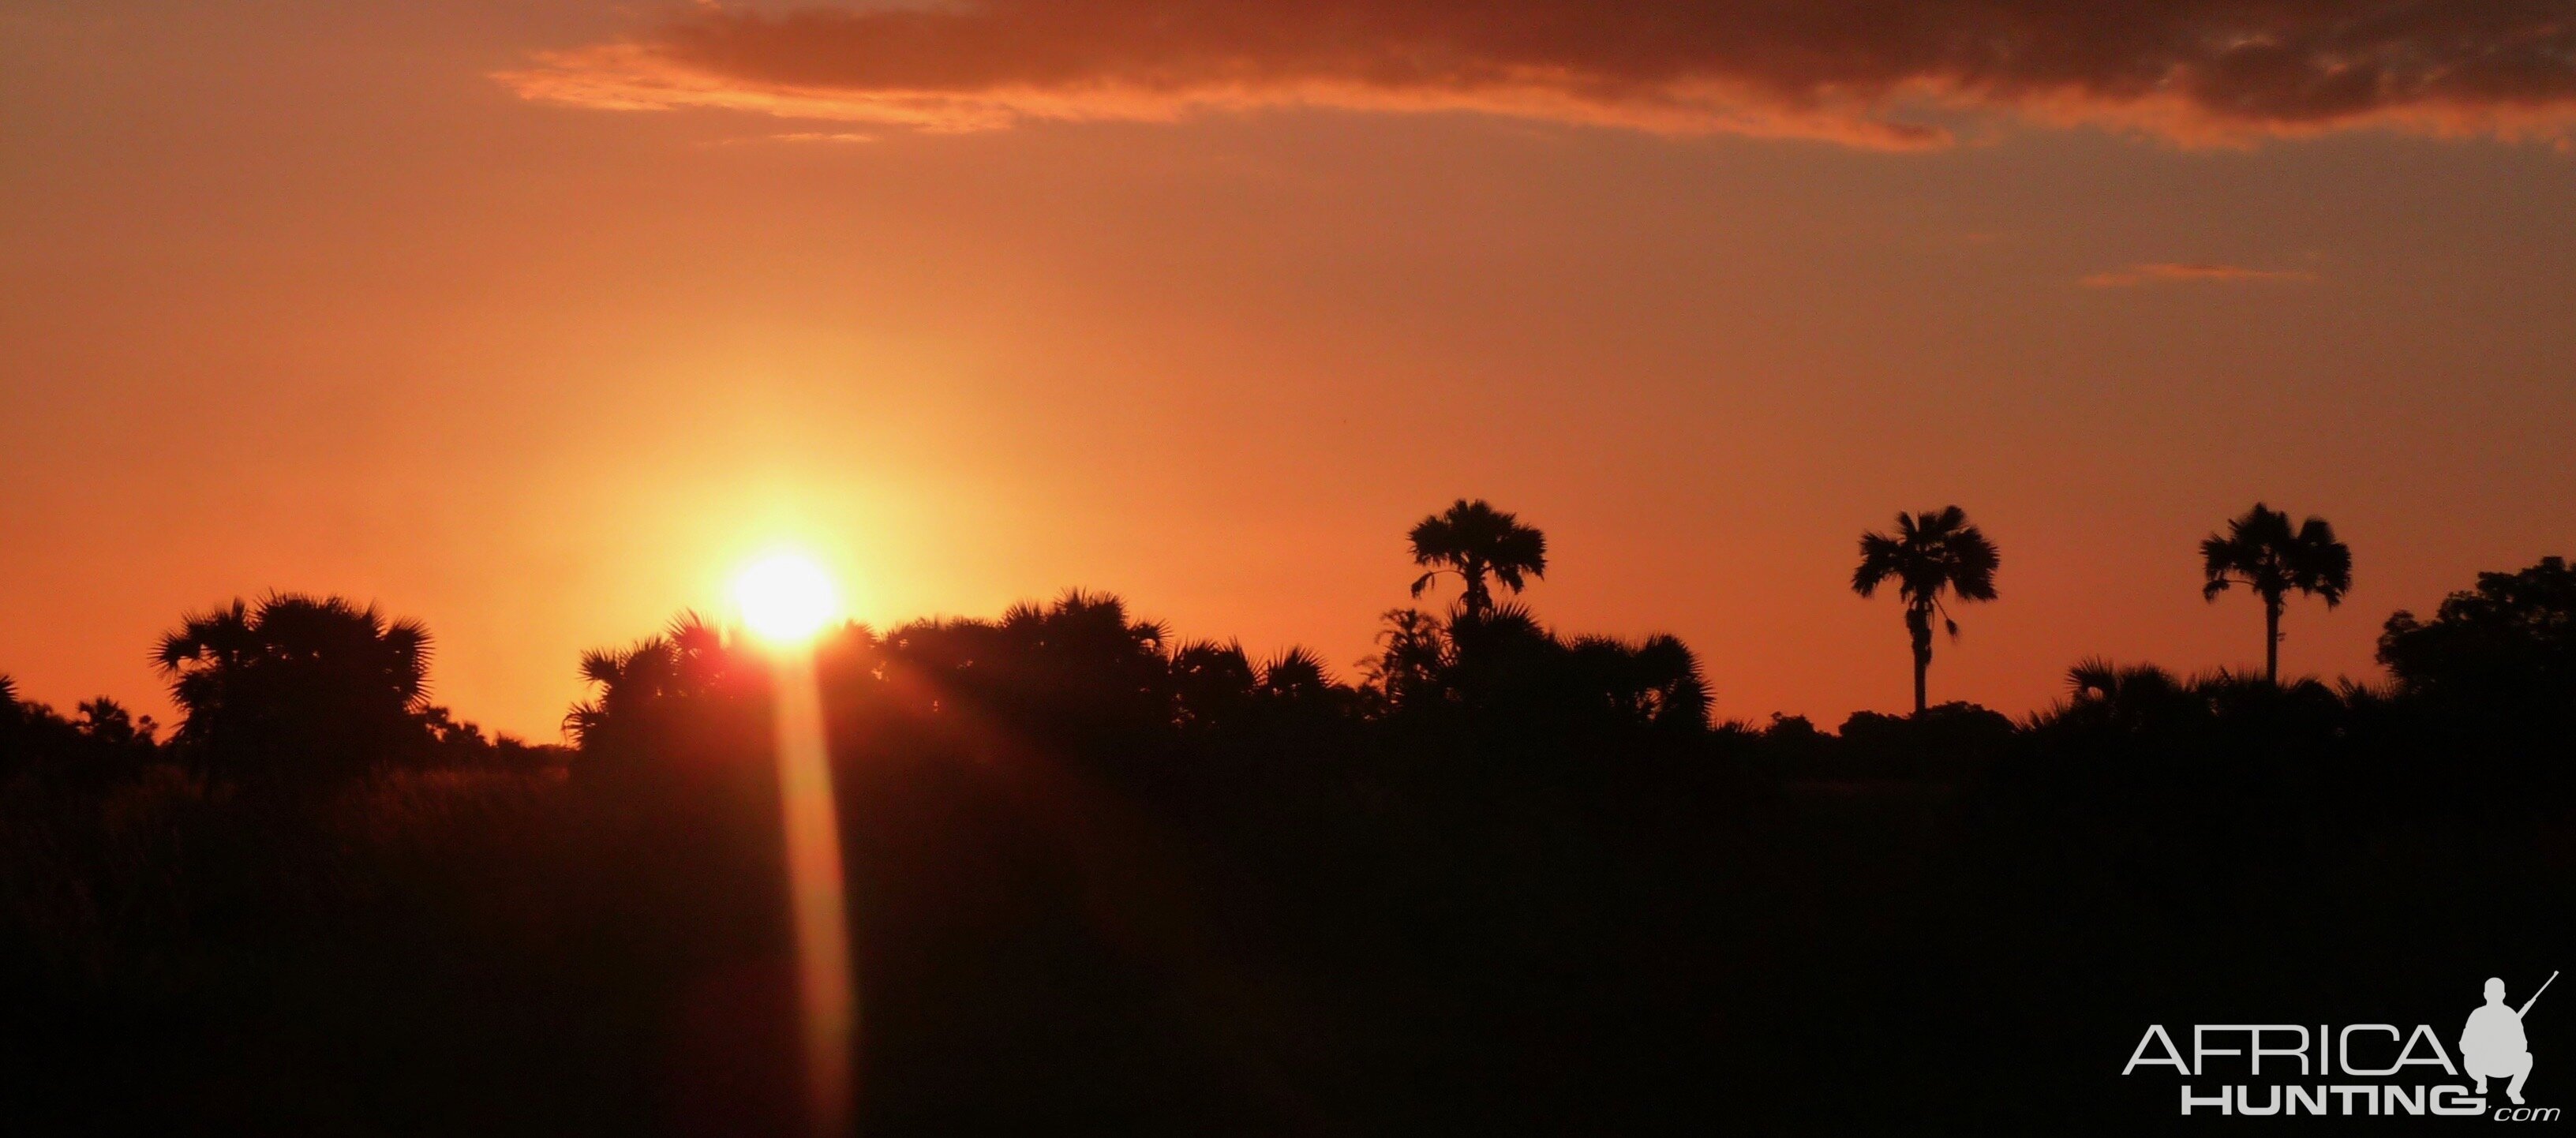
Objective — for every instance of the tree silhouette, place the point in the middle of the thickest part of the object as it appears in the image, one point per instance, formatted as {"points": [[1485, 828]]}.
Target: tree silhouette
{"points": [[1655, 682], [2261, 552], [1411, 668], [654, 668], [1474, 540], [2130, 698], [1059, 816], [296, 688], [2506, 649], [1211, 683], [1295, 673], [1930, 554], [99, 745]]}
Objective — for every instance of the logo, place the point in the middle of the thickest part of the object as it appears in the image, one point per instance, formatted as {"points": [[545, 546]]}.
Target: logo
{"points": [[2493, 1046], [2330, 1063]]}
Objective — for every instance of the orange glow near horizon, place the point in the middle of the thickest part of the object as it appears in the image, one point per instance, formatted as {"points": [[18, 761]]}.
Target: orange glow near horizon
{"points": [[299, 296]]}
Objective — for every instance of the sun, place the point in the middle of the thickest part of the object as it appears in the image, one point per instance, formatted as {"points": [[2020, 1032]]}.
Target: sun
{"points": [[785, 598]]}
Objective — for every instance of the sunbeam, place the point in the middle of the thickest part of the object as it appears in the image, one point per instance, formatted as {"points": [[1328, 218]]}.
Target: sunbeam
{"points": [[785, 600]]}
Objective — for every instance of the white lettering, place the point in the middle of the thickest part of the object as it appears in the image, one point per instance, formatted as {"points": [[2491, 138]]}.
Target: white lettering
{"points": [[2346, 1039], [2440, 1057], [2221, 1100], [2369, 1095], [2201, 1051], [2457, 1100], [2260, 1051], [2172, 1055], [2245, 1101]]}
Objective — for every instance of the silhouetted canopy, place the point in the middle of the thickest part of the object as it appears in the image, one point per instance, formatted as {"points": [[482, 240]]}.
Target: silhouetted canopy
{"points": [[1474, 540], [2261, 552], [296, 688], [1931, 554]]}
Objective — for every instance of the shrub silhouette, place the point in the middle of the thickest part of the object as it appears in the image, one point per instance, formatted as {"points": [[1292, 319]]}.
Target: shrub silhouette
{"points": [[101, 743]]}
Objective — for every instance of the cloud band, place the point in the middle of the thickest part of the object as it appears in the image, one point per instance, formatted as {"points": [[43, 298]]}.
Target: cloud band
{"points": [[2196, 71]]}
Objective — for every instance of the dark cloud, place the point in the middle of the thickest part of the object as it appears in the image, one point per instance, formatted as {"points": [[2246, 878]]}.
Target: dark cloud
{"points": [[2191, 70]]}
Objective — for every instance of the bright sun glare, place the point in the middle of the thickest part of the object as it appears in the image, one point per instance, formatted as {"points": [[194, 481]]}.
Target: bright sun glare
{"points": [[785, 598]]}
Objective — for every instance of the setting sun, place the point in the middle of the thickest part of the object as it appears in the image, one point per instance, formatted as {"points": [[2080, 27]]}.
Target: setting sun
{"points": [[785, 598], [1226, 566]]}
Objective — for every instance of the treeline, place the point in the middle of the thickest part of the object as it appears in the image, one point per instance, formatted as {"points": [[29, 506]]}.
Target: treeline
{"points": [[296, 691], [284, 694], [1501, 879]]}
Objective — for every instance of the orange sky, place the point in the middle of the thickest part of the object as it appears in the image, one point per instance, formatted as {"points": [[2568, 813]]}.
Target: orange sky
{"points": [[309, 297]]}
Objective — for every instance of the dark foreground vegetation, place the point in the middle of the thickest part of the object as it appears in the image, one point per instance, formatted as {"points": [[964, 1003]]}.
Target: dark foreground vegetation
{"points": [[1509, 881]]}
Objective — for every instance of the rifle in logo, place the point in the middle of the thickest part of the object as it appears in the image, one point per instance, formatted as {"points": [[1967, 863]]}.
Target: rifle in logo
{"points": [[2492, 1046]]}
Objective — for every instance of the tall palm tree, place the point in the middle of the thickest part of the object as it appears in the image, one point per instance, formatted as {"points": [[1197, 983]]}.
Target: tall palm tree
{"points": [[1929, 555], [1474, 540], [2262, 553]]}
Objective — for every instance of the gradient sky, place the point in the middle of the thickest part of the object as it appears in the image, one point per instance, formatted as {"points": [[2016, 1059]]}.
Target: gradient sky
{"points": [[536, 321]]}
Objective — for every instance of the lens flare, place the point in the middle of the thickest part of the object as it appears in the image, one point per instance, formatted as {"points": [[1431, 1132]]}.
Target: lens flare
{"points": [[827, 980], [785, 599]]}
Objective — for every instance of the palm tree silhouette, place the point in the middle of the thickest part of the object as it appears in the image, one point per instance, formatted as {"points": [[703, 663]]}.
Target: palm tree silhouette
{"points": [[1930, 554], [1474, 540], [1655, 682], [2260, 552], [688, 659], [296, 687]]}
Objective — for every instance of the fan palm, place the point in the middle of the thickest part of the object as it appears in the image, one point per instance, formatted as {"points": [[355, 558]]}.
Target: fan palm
{"points": [[2261, 552], [1930, 555], [1474, 541], [296, 687]]}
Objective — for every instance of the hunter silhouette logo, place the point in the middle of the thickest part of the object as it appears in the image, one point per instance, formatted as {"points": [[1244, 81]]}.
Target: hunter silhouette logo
{"points": [[2492, 1046]]}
